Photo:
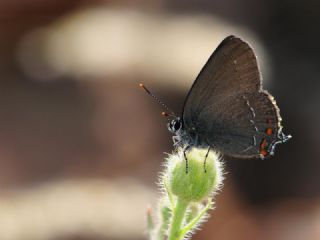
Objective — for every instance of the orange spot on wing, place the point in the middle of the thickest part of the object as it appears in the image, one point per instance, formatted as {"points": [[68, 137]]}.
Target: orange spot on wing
{"points": [[263, 152], [263, 144], [269, 131]]}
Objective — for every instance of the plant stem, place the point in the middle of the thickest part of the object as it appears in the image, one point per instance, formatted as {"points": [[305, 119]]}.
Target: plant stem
{"points": [[150, 224], [177, 219], [164, 223], [196, 220]]}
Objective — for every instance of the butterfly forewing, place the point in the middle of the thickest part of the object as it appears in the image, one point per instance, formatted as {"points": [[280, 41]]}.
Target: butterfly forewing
{"points": [[227, 107]]}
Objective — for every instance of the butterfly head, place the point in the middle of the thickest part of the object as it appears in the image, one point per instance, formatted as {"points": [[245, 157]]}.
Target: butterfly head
{"points": [[175, 125]]}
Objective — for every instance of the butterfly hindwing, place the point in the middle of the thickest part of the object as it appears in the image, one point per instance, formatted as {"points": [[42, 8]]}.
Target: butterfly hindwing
{"points": [[227, 107]]}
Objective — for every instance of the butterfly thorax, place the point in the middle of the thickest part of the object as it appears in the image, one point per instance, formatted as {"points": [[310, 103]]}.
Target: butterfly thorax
{"points": [[184, 137]]}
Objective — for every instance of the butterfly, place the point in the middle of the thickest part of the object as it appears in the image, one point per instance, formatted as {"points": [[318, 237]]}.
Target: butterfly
{"points": [[227, 108]]}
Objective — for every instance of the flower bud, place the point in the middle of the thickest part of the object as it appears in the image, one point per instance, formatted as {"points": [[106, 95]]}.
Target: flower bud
{"points": [[200, 180]]}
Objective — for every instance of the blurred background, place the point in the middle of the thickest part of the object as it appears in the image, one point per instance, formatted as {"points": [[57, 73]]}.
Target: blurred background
{"points": [[81, 145]]}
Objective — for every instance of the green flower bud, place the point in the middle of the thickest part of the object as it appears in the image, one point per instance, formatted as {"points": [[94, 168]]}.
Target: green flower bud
{"points": [[200, 181]]}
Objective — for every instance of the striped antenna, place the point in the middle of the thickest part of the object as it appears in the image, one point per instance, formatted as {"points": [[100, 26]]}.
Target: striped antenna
{"points": [[169, 112]]}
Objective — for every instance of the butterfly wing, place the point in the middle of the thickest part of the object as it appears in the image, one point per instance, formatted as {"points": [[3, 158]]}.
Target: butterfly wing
{"points": [[227, 107]]}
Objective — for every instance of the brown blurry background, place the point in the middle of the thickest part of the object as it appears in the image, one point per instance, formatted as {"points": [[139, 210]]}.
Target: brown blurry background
{"points": [[81, 145]]}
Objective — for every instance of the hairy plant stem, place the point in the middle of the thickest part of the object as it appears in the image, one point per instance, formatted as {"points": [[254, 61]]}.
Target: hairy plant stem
{"points": [[177, 219]]}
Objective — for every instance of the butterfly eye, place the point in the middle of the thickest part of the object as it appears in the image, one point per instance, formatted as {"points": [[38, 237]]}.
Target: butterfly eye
{"points": [[174, 125], [177, 125]]}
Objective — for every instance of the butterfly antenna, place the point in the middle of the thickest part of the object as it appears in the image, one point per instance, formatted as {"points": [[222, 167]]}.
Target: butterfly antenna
{"points": [[169, 112]]}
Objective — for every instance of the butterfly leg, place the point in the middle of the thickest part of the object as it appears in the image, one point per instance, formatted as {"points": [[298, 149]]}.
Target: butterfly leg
{"points": [[205, 160], [185, 158], [175, 140]]}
